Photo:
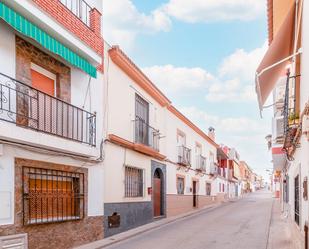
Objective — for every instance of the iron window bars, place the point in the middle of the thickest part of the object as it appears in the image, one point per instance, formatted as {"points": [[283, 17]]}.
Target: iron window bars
{"points": [[80, 9], [52, 195], [184, 156], [134, 182], [31, 108], [145, 134]]}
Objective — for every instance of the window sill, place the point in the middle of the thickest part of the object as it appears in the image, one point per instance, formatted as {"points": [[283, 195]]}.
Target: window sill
{"points": [[52, 220]]}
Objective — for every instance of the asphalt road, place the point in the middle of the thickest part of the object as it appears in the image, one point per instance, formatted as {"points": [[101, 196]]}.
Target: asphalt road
{"points": [[242, 224]]}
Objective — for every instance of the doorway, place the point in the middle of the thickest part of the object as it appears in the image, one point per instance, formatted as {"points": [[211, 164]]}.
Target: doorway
{"points": [[194, 191], [157, 193]]}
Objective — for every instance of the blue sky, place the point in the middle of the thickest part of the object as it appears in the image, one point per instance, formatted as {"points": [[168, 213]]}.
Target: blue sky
{"points": [[203, 55]]}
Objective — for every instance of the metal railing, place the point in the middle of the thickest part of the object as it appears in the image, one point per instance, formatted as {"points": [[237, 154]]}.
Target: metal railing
{"points": [[30, 108], [213, 168], [52, 195], [145, 134], [201, 163], [291, 117], [184, 156], [79, 8]]}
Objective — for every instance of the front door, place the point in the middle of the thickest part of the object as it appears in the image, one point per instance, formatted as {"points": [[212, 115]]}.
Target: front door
{"points": [[194, 194], [157, 195]]}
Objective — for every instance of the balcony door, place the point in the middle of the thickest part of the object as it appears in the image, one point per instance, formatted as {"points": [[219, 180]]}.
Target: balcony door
{"points": [[41, 110], [141, 120]]}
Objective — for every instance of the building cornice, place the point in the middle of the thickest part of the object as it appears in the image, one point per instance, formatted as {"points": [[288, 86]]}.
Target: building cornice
{"points": [[141, 148], [126, 65], [184, 119]]}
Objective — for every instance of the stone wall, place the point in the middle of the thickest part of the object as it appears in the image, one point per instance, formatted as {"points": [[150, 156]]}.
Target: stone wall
{"points": [[62, 235], [27, 53], [132, 214]]}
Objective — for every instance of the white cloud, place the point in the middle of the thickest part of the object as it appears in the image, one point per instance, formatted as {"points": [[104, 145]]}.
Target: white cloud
{"points": [[123, 22], [243, 133], [193, 11], [242, 64], [172, 79], [236, 126], [236, 76], [234, 82]]}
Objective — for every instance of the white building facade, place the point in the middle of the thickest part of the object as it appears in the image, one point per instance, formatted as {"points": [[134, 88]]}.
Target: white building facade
{"points": [[157, 162], [51, 128]]}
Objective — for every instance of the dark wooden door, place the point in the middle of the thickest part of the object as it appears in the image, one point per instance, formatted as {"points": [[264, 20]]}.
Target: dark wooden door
{"points": [[157, 196], [194, 194]]}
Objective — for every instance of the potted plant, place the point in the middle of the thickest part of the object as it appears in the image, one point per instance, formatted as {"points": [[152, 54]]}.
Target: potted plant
{"points": [[293, 118]]}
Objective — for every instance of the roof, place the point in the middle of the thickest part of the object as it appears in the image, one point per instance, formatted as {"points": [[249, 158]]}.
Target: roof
{"points": [[136, 74]]}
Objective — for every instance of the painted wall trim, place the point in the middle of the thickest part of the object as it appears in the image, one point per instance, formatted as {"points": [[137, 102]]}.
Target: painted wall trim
{"points": [[184, 119], [135, 146], [126, 64]]}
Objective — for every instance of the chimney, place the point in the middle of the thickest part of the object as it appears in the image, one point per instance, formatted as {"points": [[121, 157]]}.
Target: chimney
{"points": [[211, 133]]}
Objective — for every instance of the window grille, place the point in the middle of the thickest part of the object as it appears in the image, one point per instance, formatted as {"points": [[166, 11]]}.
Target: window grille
{"points": [[134, 184], [52, 196]]}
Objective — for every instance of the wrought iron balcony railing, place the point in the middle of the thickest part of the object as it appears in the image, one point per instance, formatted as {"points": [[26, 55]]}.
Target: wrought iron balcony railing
{"points": [[201, 163], [184, 156], [213, 169], [79, 8], [30, 108], [291, 120], [145, 134]]}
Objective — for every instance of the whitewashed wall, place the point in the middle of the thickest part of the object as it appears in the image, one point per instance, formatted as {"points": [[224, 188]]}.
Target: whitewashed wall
{"points": [[9, 131]]}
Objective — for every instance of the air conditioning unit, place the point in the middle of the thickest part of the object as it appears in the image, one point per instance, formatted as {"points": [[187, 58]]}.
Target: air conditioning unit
{"points": [[278, 129]]}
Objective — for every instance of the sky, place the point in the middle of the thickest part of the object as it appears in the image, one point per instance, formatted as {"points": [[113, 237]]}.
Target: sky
{"points": [[203, 56]]}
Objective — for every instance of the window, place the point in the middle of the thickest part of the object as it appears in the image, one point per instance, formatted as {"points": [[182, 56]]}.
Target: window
{"points": [[52, 195], [43, 80], [134, 183], [180, 185], [181, 138], [208, 188], [141, 120]]}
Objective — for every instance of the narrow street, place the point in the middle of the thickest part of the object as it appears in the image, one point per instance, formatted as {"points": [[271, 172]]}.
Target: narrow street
{"points": [[240, 224]]}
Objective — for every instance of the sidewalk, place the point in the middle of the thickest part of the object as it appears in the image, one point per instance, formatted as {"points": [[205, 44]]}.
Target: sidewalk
{"points": [[145, 228], [279, 230]]}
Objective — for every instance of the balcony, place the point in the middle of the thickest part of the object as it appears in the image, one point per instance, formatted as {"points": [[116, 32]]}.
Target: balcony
{"points": [[184, 156], [146, 135], [79, 8], [30, 108], [213, 169], [201, 163], [291, 119]]}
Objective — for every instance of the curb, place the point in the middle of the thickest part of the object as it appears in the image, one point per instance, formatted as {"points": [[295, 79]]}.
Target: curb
{"points": [[151, 226]]}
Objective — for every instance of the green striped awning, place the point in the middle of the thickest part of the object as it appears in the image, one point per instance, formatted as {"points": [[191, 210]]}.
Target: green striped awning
{"points": [[27, 28]]}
